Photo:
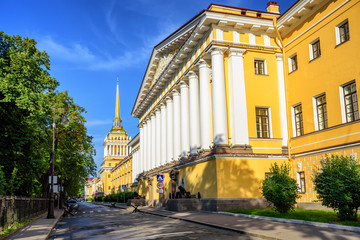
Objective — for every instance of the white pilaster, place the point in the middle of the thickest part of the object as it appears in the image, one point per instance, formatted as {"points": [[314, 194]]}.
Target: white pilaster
{"points": [[282, 98], [219, 96], [163, 134], [149, 145], [185, 138], [169, 130], [177, 126], [194, 112]]}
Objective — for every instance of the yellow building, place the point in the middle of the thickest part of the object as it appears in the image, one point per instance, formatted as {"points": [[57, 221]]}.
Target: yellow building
{"points": [[115, 150], [321, 43], [90, 187], [234, 90]]}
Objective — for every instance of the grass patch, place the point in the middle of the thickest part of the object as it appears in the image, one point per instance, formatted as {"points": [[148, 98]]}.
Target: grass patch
{"points": [[299, 214]]}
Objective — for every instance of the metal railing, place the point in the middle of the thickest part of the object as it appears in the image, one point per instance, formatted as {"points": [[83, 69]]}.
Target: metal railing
{"points": [[19, 209]]}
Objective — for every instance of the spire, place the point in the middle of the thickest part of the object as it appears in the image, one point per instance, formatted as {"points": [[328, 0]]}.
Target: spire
{"points": [[117, 119]]}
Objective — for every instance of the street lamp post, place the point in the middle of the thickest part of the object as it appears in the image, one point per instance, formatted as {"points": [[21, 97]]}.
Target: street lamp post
{"points": [[51, 199]]}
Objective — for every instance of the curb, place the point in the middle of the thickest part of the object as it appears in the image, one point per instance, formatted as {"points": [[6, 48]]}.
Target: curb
{"points": [[302, 222], [49, 233]]}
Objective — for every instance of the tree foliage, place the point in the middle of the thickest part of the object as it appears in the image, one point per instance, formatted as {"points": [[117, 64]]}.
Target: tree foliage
{"points": [[280, 189], [28, 102], [338, 185]]}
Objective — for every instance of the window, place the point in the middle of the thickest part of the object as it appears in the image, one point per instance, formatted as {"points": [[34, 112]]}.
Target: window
{"points": [[299, 127], [315, 49], [321, 112], [342, 32], [109, 187], [293, 63], [350, 102], [259, 66], [109, 164], [301, 182], [109, 176], [262, 123]]}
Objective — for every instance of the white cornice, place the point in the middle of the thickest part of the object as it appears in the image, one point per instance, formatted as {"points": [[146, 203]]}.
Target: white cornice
{"points": [[297, 14]]}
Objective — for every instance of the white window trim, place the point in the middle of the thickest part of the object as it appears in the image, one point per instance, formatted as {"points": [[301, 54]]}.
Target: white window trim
{"points": [[298, 181], [270, 121], [342, 100], [316, 120], [265, 65], [311, 48], [293, 119], [337, 32], [290, 64]]}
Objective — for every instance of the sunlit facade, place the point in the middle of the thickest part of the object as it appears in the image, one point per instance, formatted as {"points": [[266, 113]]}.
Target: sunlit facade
{"points": [[235, 90]]}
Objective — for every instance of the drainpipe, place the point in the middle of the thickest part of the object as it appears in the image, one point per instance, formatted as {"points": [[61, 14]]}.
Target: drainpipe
{"points": [[285, 83]]}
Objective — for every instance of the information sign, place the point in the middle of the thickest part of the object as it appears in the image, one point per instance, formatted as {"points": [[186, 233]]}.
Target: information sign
{"points": [[160, 178]]}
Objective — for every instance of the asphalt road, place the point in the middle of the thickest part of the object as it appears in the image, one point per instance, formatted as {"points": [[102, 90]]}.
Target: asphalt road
{"points": [[101, 222]]}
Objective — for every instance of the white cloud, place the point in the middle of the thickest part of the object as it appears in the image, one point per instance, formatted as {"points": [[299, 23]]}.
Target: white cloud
{"points": [[81, 57]]}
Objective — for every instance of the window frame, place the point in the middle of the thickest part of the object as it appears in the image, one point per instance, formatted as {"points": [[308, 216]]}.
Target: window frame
{"points": [[293, 115], [291, 69], [344, 112], [316, 112], [338, 32], [311, 49], [301, 181], [264, 66], [268, 109]]}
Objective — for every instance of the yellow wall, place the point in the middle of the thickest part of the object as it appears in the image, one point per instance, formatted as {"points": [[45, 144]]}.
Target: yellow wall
{"points": [[242, 178]]}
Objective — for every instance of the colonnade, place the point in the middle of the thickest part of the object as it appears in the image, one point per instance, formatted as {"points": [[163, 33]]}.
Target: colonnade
{"points": [[116, 150], [189, 120]]}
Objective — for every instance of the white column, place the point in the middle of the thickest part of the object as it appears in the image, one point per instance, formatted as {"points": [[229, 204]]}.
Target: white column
{"points": [[238, 107], [282, 98], [163, 134], [153, 141], [169, 130], [157, 137], [142, 148], [148, 145], [185, 130], [176, 126], [219, 96], [194, 112], [205, 103]]}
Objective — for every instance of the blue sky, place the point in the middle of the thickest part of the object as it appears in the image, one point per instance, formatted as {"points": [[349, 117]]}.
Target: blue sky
{"points": [[90, 42]]}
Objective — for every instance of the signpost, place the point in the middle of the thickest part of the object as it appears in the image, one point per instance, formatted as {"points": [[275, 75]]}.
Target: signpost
{"points": [[124, 188], [160, 186]]}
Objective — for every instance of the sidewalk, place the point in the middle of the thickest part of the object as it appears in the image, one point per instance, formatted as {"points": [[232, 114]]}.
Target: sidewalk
{"points": [[259, 227], [38, 229]]}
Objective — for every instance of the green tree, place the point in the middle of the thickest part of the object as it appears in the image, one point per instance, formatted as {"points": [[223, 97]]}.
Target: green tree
{"points": [[280, 189], [28, 102], [338, 185]]}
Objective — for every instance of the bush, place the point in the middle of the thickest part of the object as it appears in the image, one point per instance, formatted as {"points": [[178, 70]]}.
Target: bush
{"points": [[280, 189], [115, 197], [338, 185]]}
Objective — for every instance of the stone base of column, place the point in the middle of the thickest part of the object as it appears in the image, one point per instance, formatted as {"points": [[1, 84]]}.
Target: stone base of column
{"points": [[221, 148], [284, 150], [241, 148]]}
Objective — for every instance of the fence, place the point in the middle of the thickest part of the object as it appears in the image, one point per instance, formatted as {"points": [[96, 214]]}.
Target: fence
{"points": [[19, 209]]}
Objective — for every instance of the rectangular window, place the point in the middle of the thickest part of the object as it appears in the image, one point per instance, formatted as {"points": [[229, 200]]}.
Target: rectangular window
{"points": [[262, 123], [293, 63], [351, 103], [259, 66], [301, 176], [342, 32], [109, 175], [321, 112], [315, 46], [299, 127]]}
